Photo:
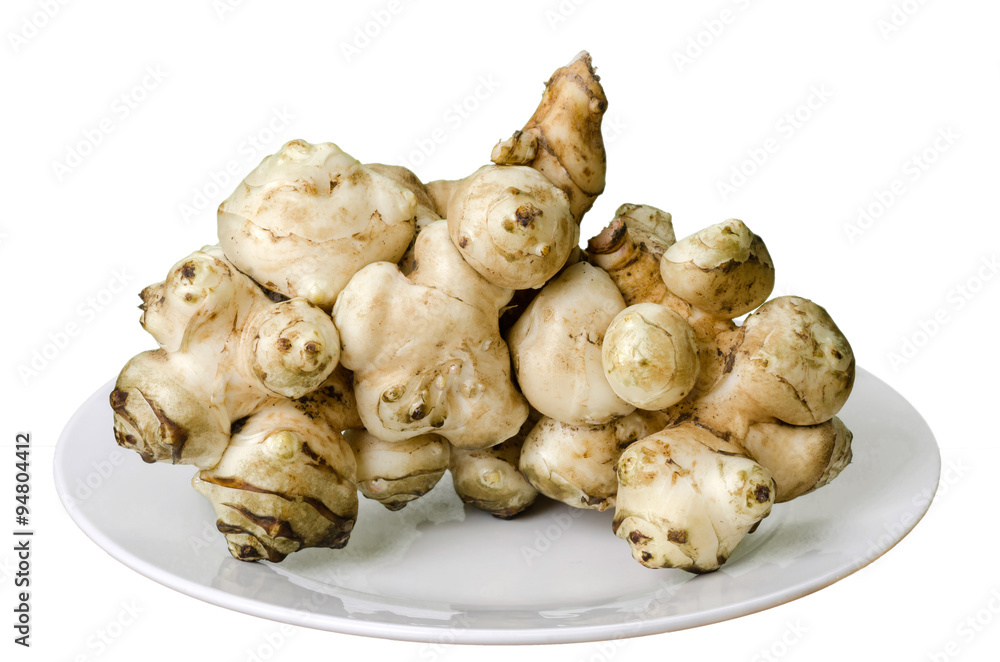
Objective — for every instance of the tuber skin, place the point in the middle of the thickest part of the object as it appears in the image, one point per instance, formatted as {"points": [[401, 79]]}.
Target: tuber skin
{"points": [[395, 473], [577, 464], [489, 479], [310, 216], [512, 225], [440, 191], [285, 482], [800, 458], [176, 404], [453, 377], [426, 212], [160, 417], [687, 498], [563, 140], [556, 348], [790, 362]]}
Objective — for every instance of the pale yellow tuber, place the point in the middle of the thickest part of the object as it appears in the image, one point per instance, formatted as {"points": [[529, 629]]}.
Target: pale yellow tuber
{"points": [[650, 356], [395, 473], [801, 458], [176, 404], [724, 269], [556, 347], [488, 478], [285, 482], [577, 464], [512, 225], [310, 216], [687, 498], [426, 349]]}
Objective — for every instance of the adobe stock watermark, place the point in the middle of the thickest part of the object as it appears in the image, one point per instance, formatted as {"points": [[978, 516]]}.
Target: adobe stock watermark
{"points": [[86, 311], [98, 474], [222, 180], [928, 328], [223, 8], [707, 34], [546, 536], [33, 23], [271, 643], [785, 129], [438, 648], [952, 473], [613, 128], [106, 636], [560, 12], [604, 651], [452, 119], [898, 17], [912, 169], [782, 644], [969, 628], [122, 107], [377, 22]]}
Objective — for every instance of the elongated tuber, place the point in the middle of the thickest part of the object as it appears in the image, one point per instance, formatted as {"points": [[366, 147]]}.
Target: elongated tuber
{"points": [[563, 140]]}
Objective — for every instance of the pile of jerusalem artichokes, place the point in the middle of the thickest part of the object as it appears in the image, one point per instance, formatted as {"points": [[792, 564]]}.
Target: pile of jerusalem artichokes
{"points": [[356, 329]]}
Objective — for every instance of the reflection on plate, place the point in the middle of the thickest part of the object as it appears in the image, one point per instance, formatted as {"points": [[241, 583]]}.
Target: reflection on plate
{"points": [[438, 571]]}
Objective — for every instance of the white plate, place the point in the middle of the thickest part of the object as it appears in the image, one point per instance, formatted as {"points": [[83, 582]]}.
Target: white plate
{"points": [[438, 571]]}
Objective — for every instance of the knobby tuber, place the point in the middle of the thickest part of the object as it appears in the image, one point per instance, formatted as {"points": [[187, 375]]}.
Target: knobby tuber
{"points": [[358, 330]]}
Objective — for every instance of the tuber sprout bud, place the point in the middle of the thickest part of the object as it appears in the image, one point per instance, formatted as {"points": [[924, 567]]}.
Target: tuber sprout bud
{"points": [[563, 140], [291, 347]]}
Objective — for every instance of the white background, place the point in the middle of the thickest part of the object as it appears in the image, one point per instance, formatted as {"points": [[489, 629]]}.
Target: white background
{"points": [[881, 93]]}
